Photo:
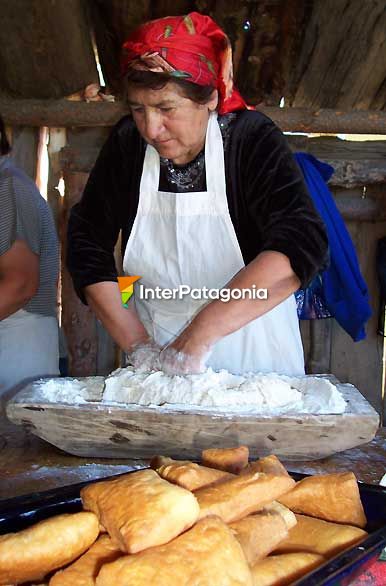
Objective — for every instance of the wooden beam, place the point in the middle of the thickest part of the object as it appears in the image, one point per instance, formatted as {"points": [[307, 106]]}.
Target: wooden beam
{"points": [[66, 113], [62, 113]]}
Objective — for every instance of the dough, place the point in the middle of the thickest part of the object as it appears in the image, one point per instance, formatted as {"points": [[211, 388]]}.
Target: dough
{"points": [[226, 392], [141, 510], [34, 552], [206, 555]]}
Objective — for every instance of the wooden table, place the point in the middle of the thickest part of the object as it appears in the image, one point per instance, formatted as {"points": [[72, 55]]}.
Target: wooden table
{"points": [[28, 464]]}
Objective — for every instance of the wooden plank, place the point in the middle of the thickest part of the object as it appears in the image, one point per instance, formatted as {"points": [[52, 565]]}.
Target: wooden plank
{"points": [[361, 363], [341, 63], [354, 163], [133, 431], [319, 346], [74, 113]]}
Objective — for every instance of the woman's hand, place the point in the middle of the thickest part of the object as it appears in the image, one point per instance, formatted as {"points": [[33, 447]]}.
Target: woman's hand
{"points": [[184, 356], [144, 356]]}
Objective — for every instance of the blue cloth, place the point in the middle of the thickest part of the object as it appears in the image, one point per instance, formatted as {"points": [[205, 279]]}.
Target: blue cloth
{"points": [[343, 288]]}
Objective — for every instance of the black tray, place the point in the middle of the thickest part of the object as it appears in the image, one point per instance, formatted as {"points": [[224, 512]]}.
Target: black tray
{"points": [[23, 511]]}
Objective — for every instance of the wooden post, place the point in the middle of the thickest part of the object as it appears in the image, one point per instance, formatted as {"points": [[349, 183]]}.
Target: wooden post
{"points": [[78, 321]]}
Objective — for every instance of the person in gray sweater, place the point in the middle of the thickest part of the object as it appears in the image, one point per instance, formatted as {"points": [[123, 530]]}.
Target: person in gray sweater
{"points": [[29, 269]]}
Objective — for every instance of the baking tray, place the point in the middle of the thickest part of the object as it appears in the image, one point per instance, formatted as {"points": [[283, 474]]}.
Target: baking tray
{"points": [[23, 511]]}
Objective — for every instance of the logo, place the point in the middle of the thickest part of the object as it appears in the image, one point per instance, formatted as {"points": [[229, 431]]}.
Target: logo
{"points": [[126, 287]]}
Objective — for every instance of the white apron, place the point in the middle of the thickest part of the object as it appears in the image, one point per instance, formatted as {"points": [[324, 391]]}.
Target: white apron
{"points": [[28, 348], [189, 239]]}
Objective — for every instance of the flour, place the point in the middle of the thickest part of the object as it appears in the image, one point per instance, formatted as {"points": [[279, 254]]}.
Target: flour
{"points": [[266, 394], [70, 390]]}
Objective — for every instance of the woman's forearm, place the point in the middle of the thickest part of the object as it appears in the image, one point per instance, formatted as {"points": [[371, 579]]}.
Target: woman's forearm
{"points": [[123, 325], [270, 270]]}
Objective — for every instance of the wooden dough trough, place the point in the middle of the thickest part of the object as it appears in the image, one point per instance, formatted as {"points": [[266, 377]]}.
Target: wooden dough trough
{"points": [[112, 430]]}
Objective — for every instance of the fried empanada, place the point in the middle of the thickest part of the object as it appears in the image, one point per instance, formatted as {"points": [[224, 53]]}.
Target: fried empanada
{"points": [[208, 555], [259, 534], [269, 465], [231, 460], [321, 537], [84, 571], [234, 499], [287, 515], [332, 497], [280, 570], [140, 509], [190, 475], [34, 552]]}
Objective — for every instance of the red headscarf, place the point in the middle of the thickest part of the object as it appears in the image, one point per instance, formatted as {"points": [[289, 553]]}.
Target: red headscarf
{"points": [[190, 47]]}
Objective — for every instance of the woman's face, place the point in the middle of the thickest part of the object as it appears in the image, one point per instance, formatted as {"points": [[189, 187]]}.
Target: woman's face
{"points": [[173, 124]]}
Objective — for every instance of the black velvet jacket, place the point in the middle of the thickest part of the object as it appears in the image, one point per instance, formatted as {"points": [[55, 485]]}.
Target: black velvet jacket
{"points": [[268, 201]]}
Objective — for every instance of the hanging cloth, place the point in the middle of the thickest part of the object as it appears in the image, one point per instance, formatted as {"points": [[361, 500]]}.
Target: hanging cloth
{"points": [[343, 291], [381, 272]]}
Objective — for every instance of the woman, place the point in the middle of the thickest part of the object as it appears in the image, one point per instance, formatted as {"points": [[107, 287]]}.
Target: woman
{"points": [[206, 193], [29, 267]]}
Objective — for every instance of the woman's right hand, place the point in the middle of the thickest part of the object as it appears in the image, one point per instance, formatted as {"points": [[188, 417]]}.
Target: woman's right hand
{"points": [[144, 356]]}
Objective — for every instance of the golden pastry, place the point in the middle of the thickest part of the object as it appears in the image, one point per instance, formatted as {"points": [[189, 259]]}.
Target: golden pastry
{"points": [[236, 498], [84, 571], [259, 534], [287, 515], [269, 465], [34, 552], [208, 555], [141, 510], [280, 570], [190, 475], [322, 537], [332, 497], [231, 460]]}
